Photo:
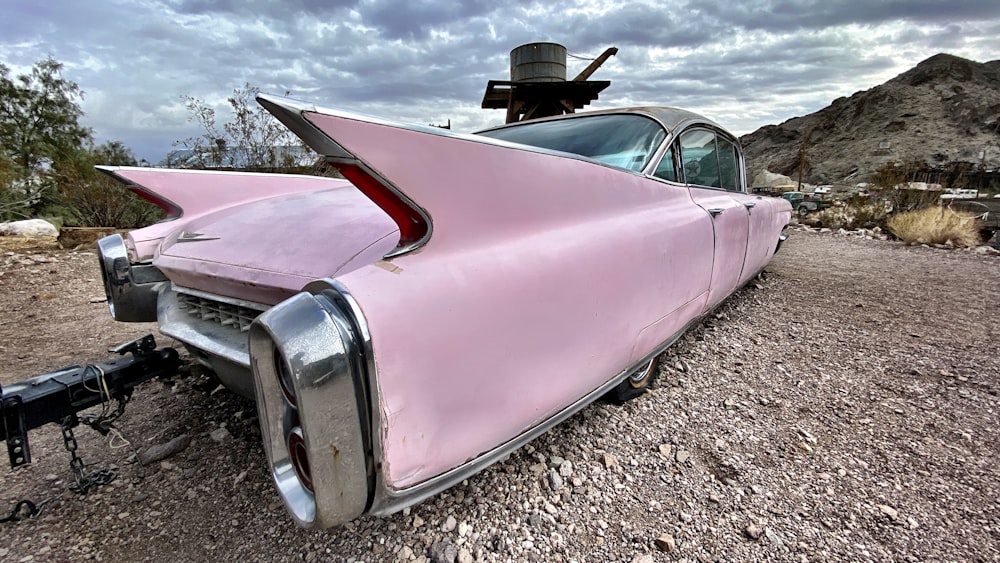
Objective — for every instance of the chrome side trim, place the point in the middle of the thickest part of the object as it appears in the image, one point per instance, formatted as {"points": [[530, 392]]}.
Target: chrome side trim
{"points": [[314, 340], [131, 289], [385, 500], [289, 112]]}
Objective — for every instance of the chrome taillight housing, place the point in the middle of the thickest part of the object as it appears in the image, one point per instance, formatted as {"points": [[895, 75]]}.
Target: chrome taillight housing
{"points": [[309, 380], [131, 289]]}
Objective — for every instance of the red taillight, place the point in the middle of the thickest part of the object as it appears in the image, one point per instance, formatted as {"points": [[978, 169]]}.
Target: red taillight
{"points": [[166, 205], [412, 225], [300, 459], [284, 378]]}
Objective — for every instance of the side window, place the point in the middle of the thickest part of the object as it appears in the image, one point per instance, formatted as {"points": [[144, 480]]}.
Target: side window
{"points": [[728, 168], [699, 158], [666, 169]]}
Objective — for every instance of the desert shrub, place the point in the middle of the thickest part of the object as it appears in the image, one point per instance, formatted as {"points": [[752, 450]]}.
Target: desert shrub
{"points": [[88, 198], [934, 225], [857, 215]]}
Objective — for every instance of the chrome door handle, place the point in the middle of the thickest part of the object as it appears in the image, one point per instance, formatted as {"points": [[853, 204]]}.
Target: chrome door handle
{"points": [[750, 204], [716, 211]]}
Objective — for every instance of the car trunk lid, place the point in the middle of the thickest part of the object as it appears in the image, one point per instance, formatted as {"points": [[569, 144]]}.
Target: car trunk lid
{"points": [[264, 251]]}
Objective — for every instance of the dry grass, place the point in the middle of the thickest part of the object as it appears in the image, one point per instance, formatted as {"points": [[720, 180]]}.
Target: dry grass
{"points": [[17, 243], [850, 217], [934, 225]]}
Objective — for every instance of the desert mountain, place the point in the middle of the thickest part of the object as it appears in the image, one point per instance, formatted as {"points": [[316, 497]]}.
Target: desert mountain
{"points": [[944, 110]]}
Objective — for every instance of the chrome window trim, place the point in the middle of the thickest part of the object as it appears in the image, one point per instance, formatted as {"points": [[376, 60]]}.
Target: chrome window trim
{"points": [[741, 180], [291, 114], [650, 156]]}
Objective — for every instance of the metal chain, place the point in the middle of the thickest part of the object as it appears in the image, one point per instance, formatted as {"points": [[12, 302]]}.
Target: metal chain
{"points": [[16, 514], [82, 481]]}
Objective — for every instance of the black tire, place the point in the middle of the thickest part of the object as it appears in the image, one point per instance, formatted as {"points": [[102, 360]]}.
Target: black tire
{"points": [[635, 384], [803, 211]]}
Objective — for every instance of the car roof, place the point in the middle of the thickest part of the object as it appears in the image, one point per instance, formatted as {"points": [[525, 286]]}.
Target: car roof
{"points": [[669, 117]]}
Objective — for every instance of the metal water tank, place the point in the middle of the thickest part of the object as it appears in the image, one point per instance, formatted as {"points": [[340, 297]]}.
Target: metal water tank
{"points": [[538, 62]]}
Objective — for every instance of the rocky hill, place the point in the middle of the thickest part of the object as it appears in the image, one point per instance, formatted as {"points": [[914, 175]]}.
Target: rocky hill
{"points": [[944, 110]]}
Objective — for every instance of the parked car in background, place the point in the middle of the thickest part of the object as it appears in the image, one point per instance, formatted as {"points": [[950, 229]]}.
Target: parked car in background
{"points": [[453, 298], [803, 204], [986, 212]]}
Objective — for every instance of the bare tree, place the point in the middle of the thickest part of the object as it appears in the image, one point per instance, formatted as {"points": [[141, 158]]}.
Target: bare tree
{"points": [[252, 140]]}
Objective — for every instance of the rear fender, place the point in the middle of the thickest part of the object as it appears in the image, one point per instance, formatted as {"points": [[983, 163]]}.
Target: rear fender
{"points": [[481, 309], [192, 193]]}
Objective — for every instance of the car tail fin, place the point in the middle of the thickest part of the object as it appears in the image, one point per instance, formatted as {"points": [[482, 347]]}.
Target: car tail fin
{"points": [[464, 188], [413, 221], [194, 192]]}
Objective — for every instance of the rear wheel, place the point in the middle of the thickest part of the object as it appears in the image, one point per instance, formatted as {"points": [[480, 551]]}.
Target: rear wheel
{"points": [[803, 211], [986, 234], [636, 383]]}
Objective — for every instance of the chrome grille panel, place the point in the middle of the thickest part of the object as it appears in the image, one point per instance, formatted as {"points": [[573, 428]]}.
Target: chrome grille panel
{"points": [[226, 314]]}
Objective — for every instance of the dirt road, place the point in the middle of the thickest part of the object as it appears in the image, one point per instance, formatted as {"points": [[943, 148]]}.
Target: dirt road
{"points": [[843, 408]]}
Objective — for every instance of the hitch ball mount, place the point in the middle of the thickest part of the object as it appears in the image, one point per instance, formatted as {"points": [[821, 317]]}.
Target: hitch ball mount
{"points": [[53, 396]]}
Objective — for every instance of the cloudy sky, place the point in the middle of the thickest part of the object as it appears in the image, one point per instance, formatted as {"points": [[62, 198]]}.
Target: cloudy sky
{"points": [[744, 63]]}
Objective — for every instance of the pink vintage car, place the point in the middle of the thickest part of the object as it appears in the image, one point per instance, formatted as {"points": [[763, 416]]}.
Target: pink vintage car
{"points": [[452, 299]]}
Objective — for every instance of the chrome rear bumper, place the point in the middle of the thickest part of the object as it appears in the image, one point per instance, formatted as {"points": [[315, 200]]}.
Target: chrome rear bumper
{"points": [[312, 402], [131, 289]]}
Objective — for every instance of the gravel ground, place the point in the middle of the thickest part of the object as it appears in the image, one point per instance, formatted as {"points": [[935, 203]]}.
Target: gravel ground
{"points": [[843, 407]]}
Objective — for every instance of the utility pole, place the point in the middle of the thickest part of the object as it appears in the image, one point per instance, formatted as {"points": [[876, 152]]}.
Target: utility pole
{"points": [[802, 155]]}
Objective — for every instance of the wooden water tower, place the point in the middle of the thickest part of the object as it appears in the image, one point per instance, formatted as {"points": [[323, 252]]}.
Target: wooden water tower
{"points": [[538, 85]]}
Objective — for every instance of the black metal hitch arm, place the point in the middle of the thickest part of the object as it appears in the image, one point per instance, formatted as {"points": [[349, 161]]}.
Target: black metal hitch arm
{"points": [[52, 397]]}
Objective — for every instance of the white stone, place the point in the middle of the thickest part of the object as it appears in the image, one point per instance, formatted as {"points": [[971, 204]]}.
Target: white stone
{"points": [[29, 228]]}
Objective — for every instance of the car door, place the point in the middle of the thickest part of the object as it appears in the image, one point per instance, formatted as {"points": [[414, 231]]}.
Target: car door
{"points": [[760, 246], [713, 183]]}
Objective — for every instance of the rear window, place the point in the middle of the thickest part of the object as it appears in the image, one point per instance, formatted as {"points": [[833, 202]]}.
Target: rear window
{"points": [[625, 141]]}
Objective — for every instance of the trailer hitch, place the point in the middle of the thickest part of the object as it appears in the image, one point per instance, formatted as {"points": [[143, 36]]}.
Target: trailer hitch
{"points": [[59, 395]]}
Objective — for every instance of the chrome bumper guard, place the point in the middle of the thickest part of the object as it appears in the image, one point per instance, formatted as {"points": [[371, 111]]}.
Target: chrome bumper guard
{"points": [[781, 240], [314, 342], [131, 289]]}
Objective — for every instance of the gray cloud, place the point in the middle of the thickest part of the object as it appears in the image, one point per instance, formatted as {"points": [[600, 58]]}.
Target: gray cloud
{"points": [[790, 15], [744, 64]]}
